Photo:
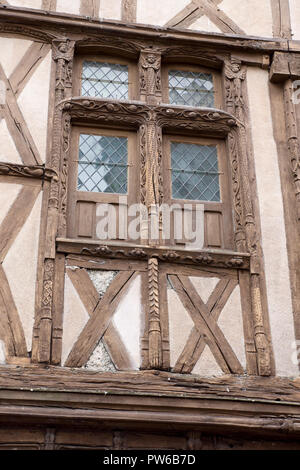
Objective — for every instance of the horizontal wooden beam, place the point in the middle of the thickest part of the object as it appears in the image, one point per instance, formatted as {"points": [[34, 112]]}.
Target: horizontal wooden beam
{"points": [[57, 23], [212, 258], [158, 399], [284, 66]]}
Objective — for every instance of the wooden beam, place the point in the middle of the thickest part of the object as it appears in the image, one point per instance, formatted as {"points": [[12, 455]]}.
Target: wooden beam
{"points": [[205, 325], [90, 298], [281, 19], [16, 217], [10, 323], [99, 321]]}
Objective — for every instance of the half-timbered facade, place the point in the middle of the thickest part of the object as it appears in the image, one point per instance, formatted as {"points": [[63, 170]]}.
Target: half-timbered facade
{"points": [[115, 329]]}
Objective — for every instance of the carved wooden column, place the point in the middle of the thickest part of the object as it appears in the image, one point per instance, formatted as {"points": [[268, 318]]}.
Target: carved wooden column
{"points": [[63, 52], [152, 192], [285, 69], [246, 233], [151, 144], [155, 341], [293, 139]]}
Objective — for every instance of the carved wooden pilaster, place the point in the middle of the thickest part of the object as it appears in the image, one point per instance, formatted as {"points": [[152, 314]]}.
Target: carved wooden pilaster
{"points": [[246, 233], [155, 342], [151, 178], [293, 139], [63, 52], [150, 76]]}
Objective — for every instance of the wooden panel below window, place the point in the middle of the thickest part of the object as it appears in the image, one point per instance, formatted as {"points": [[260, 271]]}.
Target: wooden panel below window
{"points": [[213, 230]]}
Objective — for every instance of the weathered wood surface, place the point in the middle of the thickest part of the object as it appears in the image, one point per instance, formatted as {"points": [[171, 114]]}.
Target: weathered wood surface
{"points": [[155, 383]]}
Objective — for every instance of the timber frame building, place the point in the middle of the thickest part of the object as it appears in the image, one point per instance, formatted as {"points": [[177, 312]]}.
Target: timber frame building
{"points": [[131, 343]]}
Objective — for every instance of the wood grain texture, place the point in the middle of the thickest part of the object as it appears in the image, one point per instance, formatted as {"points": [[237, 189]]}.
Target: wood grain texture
{"points": [[281, 19], [17, 126], [10, 323], [90, 299], [99, 321], [196, 344], [27, 66], [16, 217], [206, 325]]}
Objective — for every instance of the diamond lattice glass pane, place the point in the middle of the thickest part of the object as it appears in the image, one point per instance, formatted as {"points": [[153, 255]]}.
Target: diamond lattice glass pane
{"points": [[195, 174], [102, 165], [104, 80], [191, 88]]}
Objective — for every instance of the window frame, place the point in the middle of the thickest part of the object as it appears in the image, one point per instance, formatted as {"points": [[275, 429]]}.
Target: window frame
{"points": [[216, 75], [76, 196], [103, 58], [224, 206]]}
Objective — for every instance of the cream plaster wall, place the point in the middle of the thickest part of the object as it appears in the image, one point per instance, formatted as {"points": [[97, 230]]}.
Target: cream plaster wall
{"points": [[26, 3], [158, 12], [231, 324], [68, 6], [2, 353], [8, 194], [33, 102], [20, 266], [207, 366], [8, 151], [252, 16], [11, 52], [205, 24], [272, 223], [180, 326], [295, 18], [111, 9], [127, 320]]}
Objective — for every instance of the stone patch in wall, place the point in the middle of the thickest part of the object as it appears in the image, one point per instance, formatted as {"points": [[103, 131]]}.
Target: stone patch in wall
{"points": [[100, 359], [101, 280]]}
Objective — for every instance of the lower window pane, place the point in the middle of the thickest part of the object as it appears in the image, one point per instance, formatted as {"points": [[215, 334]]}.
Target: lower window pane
{"points": [[195, 173], [102, 165]]}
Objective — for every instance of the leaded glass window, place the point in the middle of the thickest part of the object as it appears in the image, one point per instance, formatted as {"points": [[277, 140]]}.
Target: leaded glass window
{"points": [[191, 88], [195, 173], [103, 163], [104, 80]]}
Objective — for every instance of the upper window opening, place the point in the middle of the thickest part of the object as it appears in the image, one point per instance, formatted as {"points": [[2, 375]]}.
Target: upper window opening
{"points": [[195, 172], [103, 163], [104, 80], [189, 88]]}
